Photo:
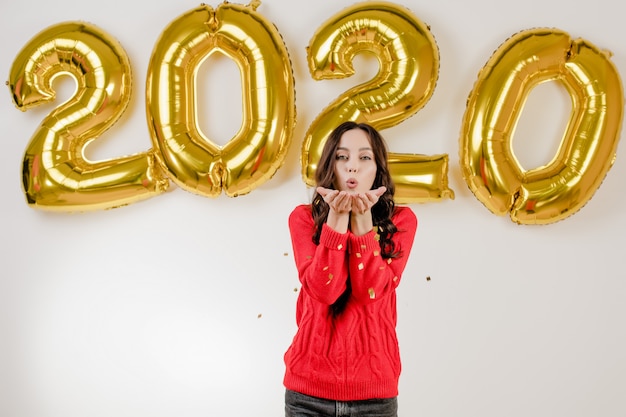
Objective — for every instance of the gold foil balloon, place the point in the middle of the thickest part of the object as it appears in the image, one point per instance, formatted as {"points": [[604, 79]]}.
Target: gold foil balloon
{"points": [[56, 175], [409, 65], [587, 150], [259, 148]]}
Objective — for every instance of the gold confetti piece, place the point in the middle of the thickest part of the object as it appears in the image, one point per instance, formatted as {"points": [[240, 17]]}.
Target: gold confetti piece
{"points": [[382, 267], [285, 254], [259, 316], [376, 253], [395, 279], [340, 247], [428, 278], [377, 237], [358, 254], [389, 261], [325, 268], [361, 266], [363, 247], [371, 293], [309, 257], [295, 290]]}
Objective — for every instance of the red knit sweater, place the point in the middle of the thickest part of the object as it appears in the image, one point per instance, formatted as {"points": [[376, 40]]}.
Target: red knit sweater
{"points": [[355, 355]]}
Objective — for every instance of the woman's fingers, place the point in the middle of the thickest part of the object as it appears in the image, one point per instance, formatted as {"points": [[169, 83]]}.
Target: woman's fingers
{"points": [[324, 191], [342, 201], [380, 191]]}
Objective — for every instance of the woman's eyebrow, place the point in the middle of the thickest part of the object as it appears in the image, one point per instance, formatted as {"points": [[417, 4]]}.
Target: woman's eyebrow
{"points": [[342, 148]]}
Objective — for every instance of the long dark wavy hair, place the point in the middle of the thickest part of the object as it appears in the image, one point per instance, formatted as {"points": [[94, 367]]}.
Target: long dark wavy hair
{"points": [[382, 211]]}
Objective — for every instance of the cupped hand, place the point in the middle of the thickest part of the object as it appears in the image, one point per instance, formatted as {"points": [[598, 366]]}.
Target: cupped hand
{"points": [[363, 202], [344, 201], [338, 201]]}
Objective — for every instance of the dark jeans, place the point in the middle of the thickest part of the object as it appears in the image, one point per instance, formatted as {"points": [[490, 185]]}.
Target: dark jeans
{"points": [[300, 405]]}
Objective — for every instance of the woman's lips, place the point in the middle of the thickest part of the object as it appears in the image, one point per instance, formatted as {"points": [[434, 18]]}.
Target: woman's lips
{"points": [[352, 183]]}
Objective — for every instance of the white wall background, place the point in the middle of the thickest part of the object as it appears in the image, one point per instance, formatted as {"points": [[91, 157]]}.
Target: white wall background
{"points": [[183, 305]]}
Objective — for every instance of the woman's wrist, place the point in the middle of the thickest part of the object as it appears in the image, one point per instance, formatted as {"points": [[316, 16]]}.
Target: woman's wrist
{"points": [[338, 221], [361, 224]]}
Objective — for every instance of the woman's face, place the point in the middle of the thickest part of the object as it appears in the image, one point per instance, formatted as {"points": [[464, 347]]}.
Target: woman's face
{"points": [[355, 166]]}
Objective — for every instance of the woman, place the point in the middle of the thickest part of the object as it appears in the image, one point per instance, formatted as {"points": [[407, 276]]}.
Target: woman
{"points": [[350, 247]]}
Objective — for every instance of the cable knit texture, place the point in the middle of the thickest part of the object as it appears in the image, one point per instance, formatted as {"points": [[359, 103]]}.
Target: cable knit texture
{"points": [[355, 355]]}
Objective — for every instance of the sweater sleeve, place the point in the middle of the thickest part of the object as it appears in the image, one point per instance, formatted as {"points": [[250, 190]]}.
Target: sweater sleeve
{"points": [[372, 277], [322, 269]]}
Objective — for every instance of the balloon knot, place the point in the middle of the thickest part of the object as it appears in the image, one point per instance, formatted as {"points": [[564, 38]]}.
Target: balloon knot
{"points": [[254, 4], [574, 49], [212, 22]]}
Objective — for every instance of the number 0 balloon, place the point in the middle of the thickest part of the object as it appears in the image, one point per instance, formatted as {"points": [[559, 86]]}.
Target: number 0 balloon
{"points": [[553, 192], [252, 157]]}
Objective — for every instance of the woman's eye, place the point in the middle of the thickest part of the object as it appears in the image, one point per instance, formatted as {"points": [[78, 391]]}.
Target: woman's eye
{"points": [[366, 157], [341, 157]]}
